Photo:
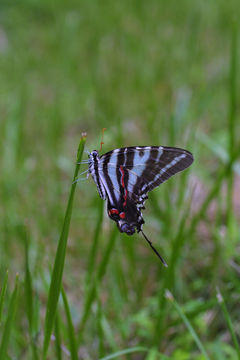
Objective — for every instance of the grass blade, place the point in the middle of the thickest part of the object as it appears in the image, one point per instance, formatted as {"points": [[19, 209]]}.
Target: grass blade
{"points": [[232, 119], [180, 312], [93, 252], [232, 91], [29, 295], [125, 352], [2, 295], [58, 339], [154, 354], [91, 295], [56, 279], [99, 327], [229, 322], [28, 286], [9, 322], [72, 340]]}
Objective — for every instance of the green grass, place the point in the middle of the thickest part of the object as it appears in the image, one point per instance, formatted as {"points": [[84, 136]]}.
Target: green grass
{"points": [[152, 73], [188, 324], [229, 323], [56, 279], [9, 324]]}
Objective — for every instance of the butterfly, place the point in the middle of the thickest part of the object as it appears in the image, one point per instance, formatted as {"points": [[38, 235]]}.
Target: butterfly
{"points": [[125, 176]]}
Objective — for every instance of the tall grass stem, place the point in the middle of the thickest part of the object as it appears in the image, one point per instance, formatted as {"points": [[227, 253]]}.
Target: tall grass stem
{"points": [[227, 317], [71, 335], [2, 295], [56, 278]]}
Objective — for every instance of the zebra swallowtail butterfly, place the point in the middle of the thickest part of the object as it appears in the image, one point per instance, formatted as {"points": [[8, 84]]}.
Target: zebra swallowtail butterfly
{"points": [[125, 176]]}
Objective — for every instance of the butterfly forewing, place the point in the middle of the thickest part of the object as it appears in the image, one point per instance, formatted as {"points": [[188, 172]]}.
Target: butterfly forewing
{"points": [[147, 167]]}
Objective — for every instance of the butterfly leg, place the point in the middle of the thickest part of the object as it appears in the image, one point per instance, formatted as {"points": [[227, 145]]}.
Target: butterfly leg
{"points": [[80, 179]]}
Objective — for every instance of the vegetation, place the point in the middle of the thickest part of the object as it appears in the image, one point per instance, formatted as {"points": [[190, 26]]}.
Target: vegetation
{"points": [[152, 73]]}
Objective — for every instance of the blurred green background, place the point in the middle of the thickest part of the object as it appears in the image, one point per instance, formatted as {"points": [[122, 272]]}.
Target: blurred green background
{"points": [[153, 73]]}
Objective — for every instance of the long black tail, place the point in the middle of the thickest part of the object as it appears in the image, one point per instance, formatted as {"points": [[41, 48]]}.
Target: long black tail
{"points": [[156, 252]]}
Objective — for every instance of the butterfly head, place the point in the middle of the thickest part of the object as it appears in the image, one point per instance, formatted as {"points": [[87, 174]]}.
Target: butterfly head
{"points": [[93, 155]]}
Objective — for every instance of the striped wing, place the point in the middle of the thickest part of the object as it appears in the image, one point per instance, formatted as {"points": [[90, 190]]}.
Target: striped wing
{"points": [[130, 173]]}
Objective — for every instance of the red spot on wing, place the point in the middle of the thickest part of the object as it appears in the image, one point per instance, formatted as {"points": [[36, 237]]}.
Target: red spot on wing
{"points": [[122, 215], [123, 185], [113, 211]]}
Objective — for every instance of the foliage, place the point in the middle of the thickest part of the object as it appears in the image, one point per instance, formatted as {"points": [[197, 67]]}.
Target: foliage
{"points": [[152, 73]]}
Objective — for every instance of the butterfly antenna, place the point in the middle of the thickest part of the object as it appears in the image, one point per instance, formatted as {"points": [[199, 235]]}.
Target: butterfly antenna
{"points": [[153, 248], [101, 144]]}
